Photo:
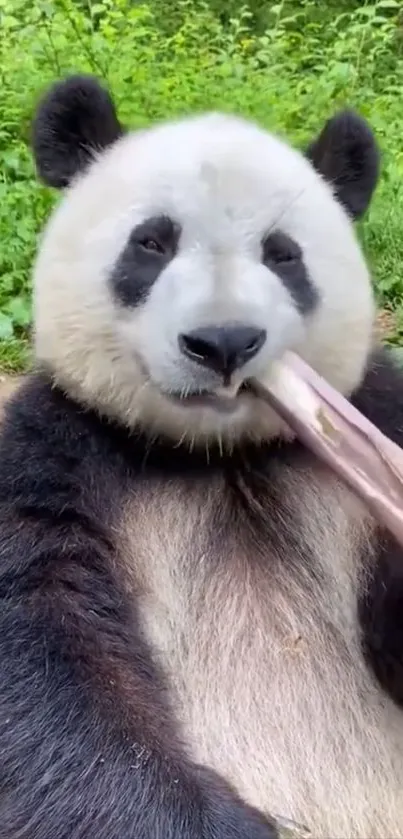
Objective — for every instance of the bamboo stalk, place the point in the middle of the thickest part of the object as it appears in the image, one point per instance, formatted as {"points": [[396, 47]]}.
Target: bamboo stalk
{"points": [[339, 435]]}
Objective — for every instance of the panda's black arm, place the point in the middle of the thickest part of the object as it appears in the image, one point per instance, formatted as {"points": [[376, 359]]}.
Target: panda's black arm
{"points": [[88, 745], [380, 398]]}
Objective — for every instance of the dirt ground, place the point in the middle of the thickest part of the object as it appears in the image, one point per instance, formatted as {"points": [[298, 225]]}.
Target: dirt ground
{"points": [[385, 323], [7, 386]]}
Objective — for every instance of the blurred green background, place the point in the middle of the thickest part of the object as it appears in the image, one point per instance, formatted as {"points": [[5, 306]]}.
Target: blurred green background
{"points": [[288, 65]]}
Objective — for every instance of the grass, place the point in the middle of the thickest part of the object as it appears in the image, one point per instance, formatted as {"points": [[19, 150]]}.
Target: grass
{"points": [[290, 73]]}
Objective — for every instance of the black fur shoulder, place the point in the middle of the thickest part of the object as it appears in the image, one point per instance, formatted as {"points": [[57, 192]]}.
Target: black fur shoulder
{"points": [[88, 744], [380, 398]]}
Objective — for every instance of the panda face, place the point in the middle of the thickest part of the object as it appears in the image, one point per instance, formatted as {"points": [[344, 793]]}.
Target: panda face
{"points": [[183, 260]]}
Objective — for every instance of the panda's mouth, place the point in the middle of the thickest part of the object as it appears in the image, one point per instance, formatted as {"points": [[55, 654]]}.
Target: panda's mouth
{"points": [[224, 399]]}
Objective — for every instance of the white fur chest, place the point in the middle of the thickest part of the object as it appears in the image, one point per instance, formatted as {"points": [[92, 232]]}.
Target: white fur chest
{"points": [[264, 660]]}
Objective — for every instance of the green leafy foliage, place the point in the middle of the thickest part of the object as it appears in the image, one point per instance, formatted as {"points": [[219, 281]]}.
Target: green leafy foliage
{"points": [[288, 65]]}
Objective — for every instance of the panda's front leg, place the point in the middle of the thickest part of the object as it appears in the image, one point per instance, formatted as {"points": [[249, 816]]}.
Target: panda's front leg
{"points": [[88, 743], [380, 398], [381, 614]]}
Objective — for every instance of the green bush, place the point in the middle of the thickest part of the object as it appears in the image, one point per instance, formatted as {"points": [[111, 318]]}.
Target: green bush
{"points": [[288, 65]]}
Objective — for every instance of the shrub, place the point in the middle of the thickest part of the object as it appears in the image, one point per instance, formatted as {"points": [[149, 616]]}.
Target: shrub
{"points": [[283, 64]]}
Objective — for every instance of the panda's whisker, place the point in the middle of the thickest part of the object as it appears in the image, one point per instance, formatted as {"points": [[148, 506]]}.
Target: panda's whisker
{"points": [[151, 440], [180, 441], [293, 199], [143, 387]]}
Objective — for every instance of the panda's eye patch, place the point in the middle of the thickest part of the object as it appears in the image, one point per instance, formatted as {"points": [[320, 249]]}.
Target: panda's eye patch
{"points": [[280, 249], [284, 257], [149, 249]]}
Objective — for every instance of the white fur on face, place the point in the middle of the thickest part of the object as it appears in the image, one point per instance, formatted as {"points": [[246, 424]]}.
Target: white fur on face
{"points": [[227, 184]]}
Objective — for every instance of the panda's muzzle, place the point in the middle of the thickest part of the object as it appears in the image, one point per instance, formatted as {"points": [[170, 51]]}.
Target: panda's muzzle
{"points": [[222, 399]]}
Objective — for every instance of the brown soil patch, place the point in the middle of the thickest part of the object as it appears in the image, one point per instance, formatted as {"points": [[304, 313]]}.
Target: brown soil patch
{"points": [[8, 385], [386, 324]]}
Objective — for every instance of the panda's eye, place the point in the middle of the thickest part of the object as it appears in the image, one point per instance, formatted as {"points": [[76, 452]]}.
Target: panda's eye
{"points": [[150, 244], [280, 249], [284, 258]]}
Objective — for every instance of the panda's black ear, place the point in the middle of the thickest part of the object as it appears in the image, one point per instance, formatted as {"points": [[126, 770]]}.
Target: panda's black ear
{"points": [[347, 156], [75, 118]]}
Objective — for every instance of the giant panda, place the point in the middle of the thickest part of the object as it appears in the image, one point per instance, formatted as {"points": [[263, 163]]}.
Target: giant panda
{"points": [[201, 629]]}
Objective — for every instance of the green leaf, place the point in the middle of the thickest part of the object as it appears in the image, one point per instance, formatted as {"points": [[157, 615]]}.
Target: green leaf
{"points": [[20, 311], [6, 327]]}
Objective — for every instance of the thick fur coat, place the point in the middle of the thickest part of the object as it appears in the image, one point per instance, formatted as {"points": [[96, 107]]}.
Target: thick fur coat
{"points": [[200, 628]]}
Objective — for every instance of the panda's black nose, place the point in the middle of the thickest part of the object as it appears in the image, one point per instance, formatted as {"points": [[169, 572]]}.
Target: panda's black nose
{"points": [[222, 348]]}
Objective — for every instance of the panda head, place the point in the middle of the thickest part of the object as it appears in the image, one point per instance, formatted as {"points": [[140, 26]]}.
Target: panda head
{"points": [[184, 259]]}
